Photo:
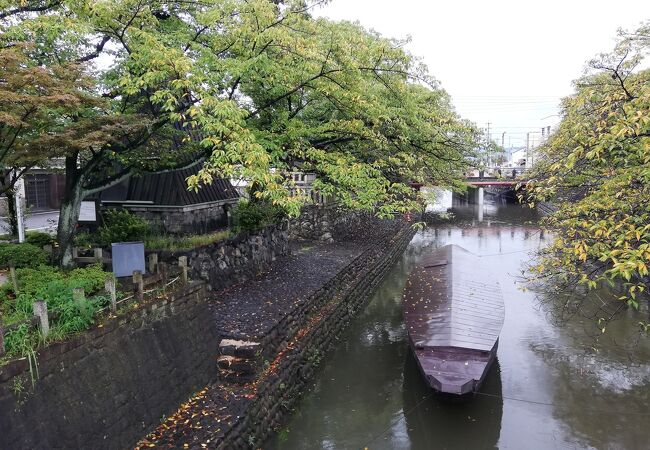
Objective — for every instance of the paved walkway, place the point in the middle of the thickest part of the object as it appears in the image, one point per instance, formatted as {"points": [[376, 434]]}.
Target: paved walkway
{"points": [[248, 311]]}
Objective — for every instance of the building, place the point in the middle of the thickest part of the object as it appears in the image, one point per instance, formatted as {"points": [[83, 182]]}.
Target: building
{"points": [[43, 190], [164, 200]]}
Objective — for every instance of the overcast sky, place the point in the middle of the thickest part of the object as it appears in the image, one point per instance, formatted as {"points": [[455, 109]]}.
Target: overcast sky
{"points": [[506, 62]]}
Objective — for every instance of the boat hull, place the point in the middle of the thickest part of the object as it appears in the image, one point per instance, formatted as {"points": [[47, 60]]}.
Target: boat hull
{"points": [[450, 371], [454, 312]]}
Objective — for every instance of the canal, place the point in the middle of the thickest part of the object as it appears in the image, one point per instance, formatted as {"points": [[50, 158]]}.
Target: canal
{"points": [[557, 384]]}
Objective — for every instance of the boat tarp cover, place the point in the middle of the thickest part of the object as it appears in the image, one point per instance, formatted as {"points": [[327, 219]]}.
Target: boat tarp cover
{"points": [[451, 302]]}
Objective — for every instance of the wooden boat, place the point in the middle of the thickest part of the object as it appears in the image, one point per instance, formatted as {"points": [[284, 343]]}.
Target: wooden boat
{"points": [[454, 312]]}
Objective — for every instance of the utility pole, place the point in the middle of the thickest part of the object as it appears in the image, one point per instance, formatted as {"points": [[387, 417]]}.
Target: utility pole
{"points": [[488, 144], [20, 218], [527, 149]]}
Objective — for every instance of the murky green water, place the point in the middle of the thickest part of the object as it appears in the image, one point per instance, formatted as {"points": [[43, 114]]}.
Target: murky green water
{"points": [[554, 386]]}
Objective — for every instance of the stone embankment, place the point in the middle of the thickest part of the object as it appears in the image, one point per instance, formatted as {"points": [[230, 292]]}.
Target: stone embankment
{"points": [[106, 387], [235, 259], [275, 331], [242, 351]]}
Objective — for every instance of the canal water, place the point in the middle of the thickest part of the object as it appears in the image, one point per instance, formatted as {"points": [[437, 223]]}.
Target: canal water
{"points": [[556, 385]]}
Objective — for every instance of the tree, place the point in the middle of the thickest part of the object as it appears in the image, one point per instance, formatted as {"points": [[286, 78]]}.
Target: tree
{"points": [[267, 89], [596, 167], [111, 136], [37, 102], [337, 100]]}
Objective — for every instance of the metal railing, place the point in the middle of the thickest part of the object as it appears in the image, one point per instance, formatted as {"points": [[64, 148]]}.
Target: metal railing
{"points": [[496, 172]]}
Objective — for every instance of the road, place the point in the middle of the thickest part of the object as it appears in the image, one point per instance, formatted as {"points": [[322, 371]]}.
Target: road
{"points": [[41, 221]]}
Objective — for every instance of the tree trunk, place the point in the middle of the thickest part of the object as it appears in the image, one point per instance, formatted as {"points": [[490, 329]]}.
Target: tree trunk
{"points": [[252, 190], [12, 214], [69, 212], [68, 218], [10, 195]]}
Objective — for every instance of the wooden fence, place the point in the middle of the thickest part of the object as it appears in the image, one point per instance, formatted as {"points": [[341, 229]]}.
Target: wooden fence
{"points": [[142, 286]]}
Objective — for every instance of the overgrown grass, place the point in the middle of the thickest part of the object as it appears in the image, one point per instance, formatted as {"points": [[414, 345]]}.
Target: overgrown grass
{"points": [[55, 287], [176, 243], [163, 241]]}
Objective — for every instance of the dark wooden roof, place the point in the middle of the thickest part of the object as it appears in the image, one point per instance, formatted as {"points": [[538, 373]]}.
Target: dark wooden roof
{"points": [[451, 301], [169, 189]]}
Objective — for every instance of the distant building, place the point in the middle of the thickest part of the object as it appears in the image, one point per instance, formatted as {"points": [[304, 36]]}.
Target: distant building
{"points": [[164, 200]]}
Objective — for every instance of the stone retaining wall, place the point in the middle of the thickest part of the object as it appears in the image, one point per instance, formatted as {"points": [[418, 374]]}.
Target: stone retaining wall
{"points": [[235, 259], [546, 208], [108, 386], [189, 219], [114, 383], [328, 223], [304, 336]]}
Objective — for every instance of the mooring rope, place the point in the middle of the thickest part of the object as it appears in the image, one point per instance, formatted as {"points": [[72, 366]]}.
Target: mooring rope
{"points": [[502, 397]]}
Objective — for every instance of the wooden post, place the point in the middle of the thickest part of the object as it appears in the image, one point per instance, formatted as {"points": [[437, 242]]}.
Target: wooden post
{"points": [[78, 296], [2, 338], [79, 299], [138, 285], [14, 278], [40, 310], [75, 252], [109, 286], [182, 263], [164, 273], [153, 263], [98, 253]]}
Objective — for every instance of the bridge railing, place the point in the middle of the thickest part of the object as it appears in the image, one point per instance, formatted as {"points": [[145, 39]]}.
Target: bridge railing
{"points": [[497, 172]]}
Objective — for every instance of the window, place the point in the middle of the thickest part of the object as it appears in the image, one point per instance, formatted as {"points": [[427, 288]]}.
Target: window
{"points": [[37, 191]]}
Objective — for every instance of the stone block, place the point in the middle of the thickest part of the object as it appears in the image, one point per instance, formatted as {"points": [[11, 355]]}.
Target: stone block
{"points": [[238, 348], [234, 364]]}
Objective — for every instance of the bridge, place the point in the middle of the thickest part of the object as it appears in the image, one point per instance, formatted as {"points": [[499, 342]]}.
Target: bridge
{"points": [[495, 176]]}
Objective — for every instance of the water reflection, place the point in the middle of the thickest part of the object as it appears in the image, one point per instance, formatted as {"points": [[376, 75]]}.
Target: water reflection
{"points": [[451, 425], [555, 386]]}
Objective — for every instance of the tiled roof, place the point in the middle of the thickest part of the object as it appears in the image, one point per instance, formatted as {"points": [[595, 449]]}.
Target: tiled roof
{"points": [[169, 189]]}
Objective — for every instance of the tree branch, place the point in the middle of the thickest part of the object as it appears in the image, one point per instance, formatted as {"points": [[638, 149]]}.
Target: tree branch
{"points": [[22, 9], [98, 50]]}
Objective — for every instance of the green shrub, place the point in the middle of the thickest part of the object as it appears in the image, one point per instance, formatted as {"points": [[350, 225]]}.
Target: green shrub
{"points": [[85, 239], [55, 287], [122, 226], [252, 216], [22, 255], [90, 278], [21, 340], [39, 239]]}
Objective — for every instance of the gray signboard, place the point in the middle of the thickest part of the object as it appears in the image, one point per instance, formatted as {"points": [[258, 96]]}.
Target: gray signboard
{"points": [[127, 257]]}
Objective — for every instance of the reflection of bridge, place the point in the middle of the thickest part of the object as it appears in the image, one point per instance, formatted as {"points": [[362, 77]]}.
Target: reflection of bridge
{"points": [[495, 176]]}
